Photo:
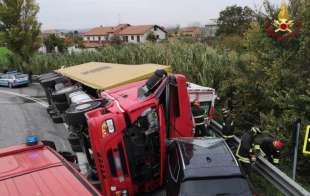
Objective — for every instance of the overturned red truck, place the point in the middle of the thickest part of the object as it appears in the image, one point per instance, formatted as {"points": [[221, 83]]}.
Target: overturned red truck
{"points": [[123, 130]]}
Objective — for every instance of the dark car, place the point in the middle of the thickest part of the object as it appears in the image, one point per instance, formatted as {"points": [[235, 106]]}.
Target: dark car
{"points": [[203, 166]]}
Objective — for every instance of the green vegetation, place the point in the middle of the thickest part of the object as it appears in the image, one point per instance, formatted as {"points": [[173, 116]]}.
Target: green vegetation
{"points": [[19, 28], [262, 81]]}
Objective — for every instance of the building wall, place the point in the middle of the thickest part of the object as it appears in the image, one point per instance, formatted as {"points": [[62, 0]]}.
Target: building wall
{"points": [[131, 38]]}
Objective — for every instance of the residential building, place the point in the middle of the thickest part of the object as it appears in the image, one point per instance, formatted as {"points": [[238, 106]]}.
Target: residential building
{"points": [[100, 36], [193, 32], [210, 29]]}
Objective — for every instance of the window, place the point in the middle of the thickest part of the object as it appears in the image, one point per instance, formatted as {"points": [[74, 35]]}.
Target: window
{"points": [[132, 37], [138, 38], [174, 164], [88, 38], [99, 38], [125, 38]]}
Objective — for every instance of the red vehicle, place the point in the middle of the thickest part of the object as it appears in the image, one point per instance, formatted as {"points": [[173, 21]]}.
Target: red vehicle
{"points": [[39, 170], [128, 134]]}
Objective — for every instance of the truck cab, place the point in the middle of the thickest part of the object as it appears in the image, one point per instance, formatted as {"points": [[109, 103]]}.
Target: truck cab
{"points": [[37, 169], [128, 135]]}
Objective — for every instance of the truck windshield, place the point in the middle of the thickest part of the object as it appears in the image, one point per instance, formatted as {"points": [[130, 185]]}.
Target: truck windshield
{"points": [[216, 187]]}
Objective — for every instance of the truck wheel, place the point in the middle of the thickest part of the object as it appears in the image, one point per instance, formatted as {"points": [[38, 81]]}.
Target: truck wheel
{"points": [[60, 95], [57, 119], [75, 113], [47, 75], [50, 82], [61, 106]]}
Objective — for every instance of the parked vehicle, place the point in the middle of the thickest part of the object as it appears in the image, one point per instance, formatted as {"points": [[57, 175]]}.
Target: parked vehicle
{"points": [[13, 79], [203, 166], [36, 169]]}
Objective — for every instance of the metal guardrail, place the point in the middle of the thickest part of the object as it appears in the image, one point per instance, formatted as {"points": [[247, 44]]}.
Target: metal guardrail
{"points": [[276, 177]]}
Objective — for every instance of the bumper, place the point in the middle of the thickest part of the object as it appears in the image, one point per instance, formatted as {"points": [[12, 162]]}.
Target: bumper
{"points": [[19, 83]]}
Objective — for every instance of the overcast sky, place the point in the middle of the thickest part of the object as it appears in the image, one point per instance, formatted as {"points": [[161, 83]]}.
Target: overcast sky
{"points": [[77, 14]]}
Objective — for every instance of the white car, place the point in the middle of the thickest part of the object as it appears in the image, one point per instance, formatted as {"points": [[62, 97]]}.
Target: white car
{"points": [[13, 79]]}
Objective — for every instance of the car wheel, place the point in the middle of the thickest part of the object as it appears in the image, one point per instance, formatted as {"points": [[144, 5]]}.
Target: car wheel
{"points": [[75, 113]]}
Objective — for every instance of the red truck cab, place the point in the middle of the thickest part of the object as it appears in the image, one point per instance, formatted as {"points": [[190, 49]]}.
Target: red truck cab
{"points": [[39, 170], [128, 135]]}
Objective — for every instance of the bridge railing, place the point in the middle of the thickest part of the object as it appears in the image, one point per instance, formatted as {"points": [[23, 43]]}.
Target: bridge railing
{"points": [[275, 176]]}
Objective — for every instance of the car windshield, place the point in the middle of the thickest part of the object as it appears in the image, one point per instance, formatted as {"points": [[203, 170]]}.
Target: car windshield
{"points": [[216, 187]]}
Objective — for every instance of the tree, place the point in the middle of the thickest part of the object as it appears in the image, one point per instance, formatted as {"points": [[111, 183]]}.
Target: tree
{"points": [[151, 37], [52, 41], [235, 20], [20, 27], [116, 40]]}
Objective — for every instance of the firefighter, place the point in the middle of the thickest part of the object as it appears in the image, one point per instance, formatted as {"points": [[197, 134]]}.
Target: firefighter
{"points": [[228, 127], [269, 147], [246, 151], [199, 119]]}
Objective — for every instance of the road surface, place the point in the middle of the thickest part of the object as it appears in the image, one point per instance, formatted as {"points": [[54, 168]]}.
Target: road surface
{"points": [[20, 117]]}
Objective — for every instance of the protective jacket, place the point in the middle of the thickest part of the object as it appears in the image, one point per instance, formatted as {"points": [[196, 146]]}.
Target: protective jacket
{"points": [[199, 118], [265, 142], [228, 127], [246, 147]]}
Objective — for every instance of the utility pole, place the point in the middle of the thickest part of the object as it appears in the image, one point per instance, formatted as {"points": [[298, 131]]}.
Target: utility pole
{"points": [[296, 132]]}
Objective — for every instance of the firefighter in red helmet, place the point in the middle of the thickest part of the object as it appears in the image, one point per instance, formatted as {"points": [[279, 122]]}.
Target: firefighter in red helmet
{"points": [[199, 119]]}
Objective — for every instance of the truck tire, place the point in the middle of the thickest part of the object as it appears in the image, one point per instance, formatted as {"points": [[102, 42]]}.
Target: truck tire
{"points": [[60, 95], [57, 119], [61, 106], [50, 82], [75, 113], [46, 76]]}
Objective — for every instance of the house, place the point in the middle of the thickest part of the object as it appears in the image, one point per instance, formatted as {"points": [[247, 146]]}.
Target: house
{"points": [[210, 29], [100, 36], [139, 34], [193, 32]]}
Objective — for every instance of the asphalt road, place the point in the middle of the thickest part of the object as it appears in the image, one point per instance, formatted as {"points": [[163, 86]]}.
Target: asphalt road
{"points": [[20, 117]]}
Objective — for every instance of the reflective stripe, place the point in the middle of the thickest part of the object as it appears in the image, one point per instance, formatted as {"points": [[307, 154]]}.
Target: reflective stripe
{"points": [[256, 147], [228, 136], [276, 161], [201, 116], [200, 123], [241, 158], [262, 152]]}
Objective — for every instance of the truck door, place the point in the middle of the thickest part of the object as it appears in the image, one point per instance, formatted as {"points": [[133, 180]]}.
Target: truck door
{"points": [[181, 124]]}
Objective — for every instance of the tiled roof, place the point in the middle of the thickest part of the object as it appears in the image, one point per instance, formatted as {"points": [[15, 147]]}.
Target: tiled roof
{"points": [[136, 30], [106, 30]]}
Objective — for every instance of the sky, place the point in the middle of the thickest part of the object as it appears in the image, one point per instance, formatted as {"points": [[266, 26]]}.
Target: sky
{"points": [[79, 14]]}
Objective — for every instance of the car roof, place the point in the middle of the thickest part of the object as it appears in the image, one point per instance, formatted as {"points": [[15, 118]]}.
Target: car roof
{"points": [[207, 157], [38, 170]]}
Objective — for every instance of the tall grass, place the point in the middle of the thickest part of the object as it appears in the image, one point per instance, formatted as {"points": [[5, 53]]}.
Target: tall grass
{"points": [[198, 62]]}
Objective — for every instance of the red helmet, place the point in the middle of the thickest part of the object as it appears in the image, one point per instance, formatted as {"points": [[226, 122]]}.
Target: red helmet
{"points": [[278, 144]]}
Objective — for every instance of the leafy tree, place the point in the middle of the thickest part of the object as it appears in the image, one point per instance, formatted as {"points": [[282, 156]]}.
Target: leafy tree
{"points": [[235, 20], [151, 37], [52, 41], [116, 40], [21, 29]]}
